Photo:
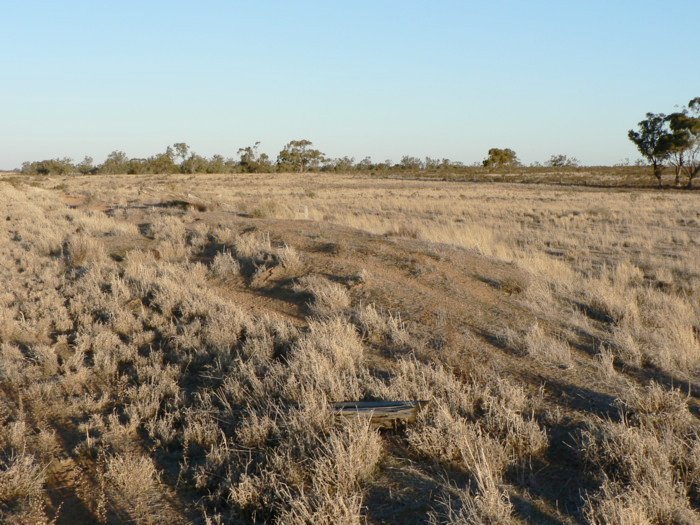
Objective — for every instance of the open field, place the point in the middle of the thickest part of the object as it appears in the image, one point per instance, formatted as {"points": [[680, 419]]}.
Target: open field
{"points": [[170, 346]]}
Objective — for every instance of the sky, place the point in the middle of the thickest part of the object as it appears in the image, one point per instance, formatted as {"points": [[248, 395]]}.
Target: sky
{"points": [[379, 78]]}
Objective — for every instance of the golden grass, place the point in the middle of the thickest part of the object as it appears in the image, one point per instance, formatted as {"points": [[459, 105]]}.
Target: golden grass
{"points": [[186, 363]]}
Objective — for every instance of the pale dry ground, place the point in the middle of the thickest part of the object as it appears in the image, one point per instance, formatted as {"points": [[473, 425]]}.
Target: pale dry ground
{"points": [[170, 344]]}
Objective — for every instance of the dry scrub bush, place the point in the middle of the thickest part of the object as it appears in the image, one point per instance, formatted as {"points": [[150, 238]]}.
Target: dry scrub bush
{"points": [[543, 347], [252, 245], [605, 361], [330, 488], [21, 490], [255, 256], [168, 229], [328, 361], [487, 504], [388, 329], [656, 408], [171, 251], [225, 267], [81, 250], [464, 417], [660, 329], [648, 462], [135, 487], [290, 259], [272, 209], [644, 505], [442, 436], [97, 223], [328, 298]]}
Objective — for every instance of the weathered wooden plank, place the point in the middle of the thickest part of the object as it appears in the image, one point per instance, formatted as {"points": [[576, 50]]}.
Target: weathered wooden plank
{"points": [[382, 414]]}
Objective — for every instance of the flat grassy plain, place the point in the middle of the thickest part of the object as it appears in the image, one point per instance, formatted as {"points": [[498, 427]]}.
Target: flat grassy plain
{"points": [[170, 346]]}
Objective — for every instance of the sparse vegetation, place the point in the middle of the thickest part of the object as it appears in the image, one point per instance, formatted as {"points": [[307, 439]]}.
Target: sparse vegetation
{"points": [[168, 363]]}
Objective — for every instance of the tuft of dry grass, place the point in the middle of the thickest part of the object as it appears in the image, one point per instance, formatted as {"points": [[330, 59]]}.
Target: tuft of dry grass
{"points": [[327, 298]]}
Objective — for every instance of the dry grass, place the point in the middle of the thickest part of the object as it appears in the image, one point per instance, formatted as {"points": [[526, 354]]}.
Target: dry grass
{"points": [[160, 364]]}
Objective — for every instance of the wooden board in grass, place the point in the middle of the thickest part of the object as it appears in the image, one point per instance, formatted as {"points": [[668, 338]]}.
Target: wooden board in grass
{"points": [[381, 414]]}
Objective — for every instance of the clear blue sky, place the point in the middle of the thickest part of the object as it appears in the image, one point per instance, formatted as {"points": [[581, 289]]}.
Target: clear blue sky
{"points": [[362, 77]]}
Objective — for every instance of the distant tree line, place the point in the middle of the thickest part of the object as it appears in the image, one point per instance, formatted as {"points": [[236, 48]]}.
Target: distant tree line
{"points": [[297, 156], [671, 139]]}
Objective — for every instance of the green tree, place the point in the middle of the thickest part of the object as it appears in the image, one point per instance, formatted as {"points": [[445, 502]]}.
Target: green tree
{"points": [[194, 164], [181, 151], [86, 166], [217, 164], [685, 141], [562, 161], [339, 165], [251, 161], [49, 167], [410, 163], [116, 162], [298, 155], [160, 163], [501, 158], [137, 166], [654, 141], [364, 165]]}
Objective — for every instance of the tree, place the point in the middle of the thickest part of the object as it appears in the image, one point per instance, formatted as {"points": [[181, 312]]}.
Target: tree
{"points": [[685, 141], [679, 143], [217, 164], [501, 158], [692, 164], [365, 164], [431, 164], [562, 161], [253, 162], [162, 163], [298, 155], [194, 164], [339, 165], [116, 162], [86, 166], [181, 150], [138, 166], [410, 163], [654, 141], [49, 166]]}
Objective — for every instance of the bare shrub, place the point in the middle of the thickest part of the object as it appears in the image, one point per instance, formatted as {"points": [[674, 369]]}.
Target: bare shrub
{"points": [[643, 504], [661, 327], [323, 509], [368, 319], [347, 458]]}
